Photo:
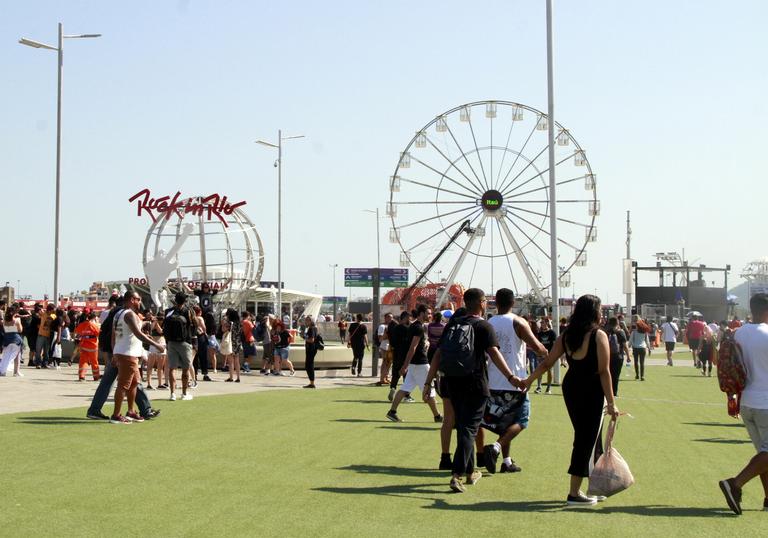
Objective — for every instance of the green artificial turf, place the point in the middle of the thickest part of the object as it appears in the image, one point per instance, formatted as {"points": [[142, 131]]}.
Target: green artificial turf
{"points": [[327, 463]]}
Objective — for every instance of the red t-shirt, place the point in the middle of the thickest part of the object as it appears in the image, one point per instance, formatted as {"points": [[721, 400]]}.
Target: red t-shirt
{"points": [[696, 329], [248, 330]]}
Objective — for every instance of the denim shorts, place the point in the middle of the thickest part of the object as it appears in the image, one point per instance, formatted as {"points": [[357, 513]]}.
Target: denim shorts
{"points": [[281, 352], [504, 409]]}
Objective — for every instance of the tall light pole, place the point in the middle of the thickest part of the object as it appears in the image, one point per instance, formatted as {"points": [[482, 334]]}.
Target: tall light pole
{"points": [[279, 164], [554, 276], [60, 50], [334, 266], [378, 239]]}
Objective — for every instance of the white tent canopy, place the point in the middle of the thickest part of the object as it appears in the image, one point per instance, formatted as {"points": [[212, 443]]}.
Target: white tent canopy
{"points": [[269, 295]]}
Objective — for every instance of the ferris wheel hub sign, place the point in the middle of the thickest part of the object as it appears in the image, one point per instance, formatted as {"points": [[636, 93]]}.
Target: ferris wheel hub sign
{"points": [[491, 200]]}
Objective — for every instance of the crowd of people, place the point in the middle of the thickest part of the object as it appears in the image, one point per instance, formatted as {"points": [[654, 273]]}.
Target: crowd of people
{"points": [[483, 369]]}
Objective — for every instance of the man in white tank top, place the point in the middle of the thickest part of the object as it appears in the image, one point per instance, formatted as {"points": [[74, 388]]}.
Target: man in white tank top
{"points": [[127, 340], [508, 407]]}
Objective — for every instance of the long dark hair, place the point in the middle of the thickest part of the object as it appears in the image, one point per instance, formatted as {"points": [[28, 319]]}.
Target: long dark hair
{"points": [[585, 317]]}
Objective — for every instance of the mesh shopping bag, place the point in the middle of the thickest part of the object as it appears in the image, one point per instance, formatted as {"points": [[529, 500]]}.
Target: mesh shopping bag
{"points": [[611, 473]]}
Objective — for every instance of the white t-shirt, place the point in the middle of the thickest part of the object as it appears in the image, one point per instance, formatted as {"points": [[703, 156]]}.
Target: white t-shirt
{"points": [[512, 349], [384, 344], [753, 339], [669, 331]]}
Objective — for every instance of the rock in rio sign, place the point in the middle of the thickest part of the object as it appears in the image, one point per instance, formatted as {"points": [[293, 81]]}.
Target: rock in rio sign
{"points": [[210, 206]]}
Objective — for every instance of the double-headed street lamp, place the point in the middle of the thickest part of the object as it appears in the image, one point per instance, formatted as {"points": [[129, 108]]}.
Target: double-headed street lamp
{"points": [[60, 50], [279, 165]]}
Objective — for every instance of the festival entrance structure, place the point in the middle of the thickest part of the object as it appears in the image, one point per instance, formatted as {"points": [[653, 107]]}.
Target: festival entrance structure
{"points": [[469, 200], [199, 240]]}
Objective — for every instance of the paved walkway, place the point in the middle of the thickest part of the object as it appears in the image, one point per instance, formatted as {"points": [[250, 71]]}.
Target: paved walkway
{"points": [[40, 390]]}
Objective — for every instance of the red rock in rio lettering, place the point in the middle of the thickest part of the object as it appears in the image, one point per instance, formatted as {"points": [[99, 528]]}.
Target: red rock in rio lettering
{"points": [[210, 206]]}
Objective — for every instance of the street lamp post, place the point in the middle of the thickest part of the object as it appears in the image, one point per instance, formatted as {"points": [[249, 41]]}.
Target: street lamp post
{"points": [[279, 164], [334, 266], [376, 296], [60, 50]]}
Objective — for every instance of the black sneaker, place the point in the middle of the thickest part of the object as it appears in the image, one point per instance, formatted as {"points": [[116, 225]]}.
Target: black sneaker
{"points": [[206, 378], [439, 418], [445, 463], [580, 500], [392, 415], [491, 457], [510, 467], [152, 413], [97, 416], [732, 495]]}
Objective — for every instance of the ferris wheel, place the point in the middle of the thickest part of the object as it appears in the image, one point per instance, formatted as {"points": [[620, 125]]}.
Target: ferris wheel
{"points": [[469, 199]]}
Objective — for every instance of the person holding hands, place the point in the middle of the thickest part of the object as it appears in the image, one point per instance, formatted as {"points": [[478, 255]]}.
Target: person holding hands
{"points": [[587, 390]]}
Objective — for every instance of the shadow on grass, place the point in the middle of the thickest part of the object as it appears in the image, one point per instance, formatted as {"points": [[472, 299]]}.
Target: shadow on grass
{"points": [[733, 424], [416, 491], [394, 471], [721, 441], [55, 421], [361, 420], [411, 428], [380, 402], [554, 506]]}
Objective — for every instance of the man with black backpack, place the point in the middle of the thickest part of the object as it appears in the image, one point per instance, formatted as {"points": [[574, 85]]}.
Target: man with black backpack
{"points": [[461, 357], [179, 331], [110, 373]]}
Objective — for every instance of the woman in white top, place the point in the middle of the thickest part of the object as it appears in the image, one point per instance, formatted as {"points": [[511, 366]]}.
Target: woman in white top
{"points": [[640, 346], [12, 343]]}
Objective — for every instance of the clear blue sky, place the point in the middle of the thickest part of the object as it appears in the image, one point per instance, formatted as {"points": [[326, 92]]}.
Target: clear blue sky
{"points": [[668, 98]]}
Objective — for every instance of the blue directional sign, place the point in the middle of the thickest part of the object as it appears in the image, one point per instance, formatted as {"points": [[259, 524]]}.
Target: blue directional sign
{"points": [[393, 278], [362, 277], [356, 277]]}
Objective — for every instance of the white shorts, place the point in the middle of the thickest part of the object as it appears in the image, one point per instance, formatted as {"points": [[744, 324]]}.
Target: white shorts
{"points": [[416, 377]]}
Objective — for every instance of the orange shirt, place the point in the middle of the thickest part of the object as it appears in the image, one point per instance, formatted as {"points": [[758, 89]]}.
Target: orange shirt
{"points": [[247, 326], [88, 332]]}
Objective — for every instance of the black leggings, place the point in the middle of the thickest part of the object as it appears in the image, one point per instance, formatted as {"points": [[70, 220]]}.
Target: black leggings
{"points": [[309, 364], [584, 401], [638, 353], [615, 366]]}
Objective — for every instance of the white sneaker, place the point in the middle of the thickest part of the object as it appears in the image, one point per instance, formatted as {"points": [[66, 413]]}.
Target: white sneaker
{"points": [[173, 397], [186, 397], [18, 374]]}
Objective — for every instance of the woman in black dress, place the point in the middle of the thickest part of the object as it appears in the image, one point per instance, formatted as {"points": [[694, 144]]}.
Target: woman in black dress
{"points": [[587, 389]]}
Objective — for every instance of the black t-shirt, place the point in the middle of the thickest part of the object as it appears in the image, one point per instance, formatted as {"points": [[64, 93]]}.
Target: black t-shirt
{"points": [[357, 332], [477, 383], [206, 299], [284, 339], [397, 339], [417, 329], [309, 335], [34, 325], [547, 338]]}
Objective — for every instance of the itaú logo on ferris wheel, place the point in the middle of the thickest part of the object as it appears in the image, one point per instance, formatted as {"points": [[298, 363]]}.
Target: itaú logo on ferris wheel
{"points": [[491, 200], [210, 206]]}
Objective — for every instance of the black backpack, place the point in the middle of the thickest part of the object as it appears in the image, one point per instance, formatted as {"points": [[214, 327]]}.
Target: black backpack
{"points": [[176, 325], [259, 332], [457, 348], [319, 342], [105, 332]]}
